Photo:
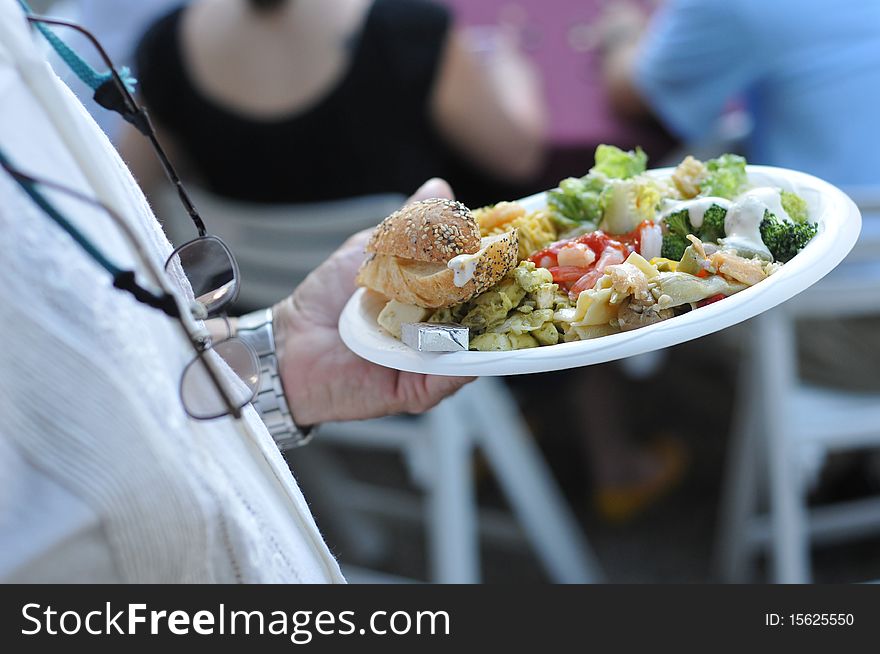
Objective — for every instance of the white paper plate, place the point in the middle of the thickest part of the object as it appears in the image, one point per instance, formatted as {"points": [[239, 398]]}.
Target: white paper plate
{"points": [[839, 225]]}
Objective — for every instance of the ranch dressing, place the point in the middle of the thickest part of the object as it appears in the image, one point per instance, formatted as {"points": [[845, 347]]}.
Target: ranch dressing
{"points": [[742, 225], [696, 208], [770, 197], [465, 265]]}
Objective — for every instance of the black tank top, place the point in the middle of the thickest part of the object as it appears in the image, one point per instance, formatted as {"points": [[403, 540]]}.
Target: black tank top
{"points": [[371, 134]]}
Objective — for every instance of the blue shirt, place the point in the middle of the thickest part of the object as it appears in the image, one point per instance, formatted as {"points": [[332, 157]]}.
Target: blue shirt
{"points": [[807, 70]]}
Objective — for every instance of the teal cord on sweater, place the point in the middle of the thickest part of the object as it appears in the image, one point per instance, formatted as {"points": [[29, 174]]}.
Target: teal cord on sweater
{"points": [[44, 204], [92, 78]]}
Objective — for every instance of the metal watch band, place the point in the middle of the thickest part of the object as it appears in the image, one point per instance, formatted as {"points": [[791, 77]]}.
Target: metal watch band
{"points": [[255, 329]]}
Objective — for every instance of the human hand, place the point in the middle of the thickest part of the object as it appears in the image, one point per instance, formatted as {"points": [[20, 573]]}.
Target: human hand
{"points": [[620, 23], [513, 77], [323, 379], [620, 31]]}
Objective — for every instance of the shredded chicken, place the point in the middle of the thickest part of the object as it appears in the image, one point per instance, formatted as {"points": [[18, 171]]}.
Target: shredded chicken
{"points": [[747, 271], [626, 279], [698, 246]]}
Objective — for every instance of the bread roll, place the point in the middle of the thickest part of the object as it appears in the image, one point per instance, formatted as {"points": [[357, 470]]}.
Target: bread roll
{"points": [[431, 234], [430, 230]]}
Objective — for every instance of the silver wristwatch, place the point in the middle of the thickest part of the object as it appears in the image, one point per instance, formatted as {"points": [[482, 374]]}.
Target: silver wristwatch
{"points": [[255, 329]]}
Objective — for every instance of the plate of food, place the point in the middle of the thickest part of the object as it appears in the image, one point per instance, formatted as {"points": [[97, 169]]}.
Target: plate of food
{"points": [[619, 262]]}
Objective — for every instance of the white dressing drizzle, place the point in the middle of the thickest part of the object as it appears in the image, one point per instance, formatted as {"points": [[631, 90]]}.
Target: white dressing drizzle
{"points": [[696, 208], [743, 220], [770, 197], [742, 226], [464, 265]]}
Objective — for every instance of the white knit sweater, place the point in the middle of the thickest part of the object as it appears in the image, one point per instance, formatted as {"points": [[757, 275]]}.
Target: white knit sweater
{"points": [[102, 476]]}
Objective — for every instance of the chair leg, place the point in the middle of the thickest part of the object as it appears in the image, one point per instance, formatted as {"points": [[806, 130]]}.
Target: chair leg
{"points": [[738, 504], [453, 538], [790, 546], [529, 486], [739, 495]]}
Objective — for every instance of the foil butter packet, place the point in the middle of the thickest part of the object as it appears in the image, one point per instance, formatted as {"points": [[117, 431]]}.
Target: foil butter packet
{"points": [[435, 337]]}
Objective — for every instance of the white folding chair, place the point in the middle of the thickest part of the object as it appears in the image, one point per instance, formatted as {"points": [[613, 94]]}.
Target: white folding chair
{"points": [[439, 449], [276, 247], [785, 428]]}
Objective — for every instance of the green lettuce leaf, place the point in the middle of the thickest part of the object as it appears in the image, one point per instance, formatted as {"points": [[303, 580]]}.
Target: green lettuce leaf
{"points": [[726, 178]]}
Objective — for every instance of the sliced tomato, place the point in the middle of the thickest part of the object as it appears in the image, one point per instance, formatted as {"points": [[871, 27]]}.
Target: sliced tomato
{"points": [[563, 274], [574, 279], [598, 241], [586, 282], [611, 255], [545, 258]]}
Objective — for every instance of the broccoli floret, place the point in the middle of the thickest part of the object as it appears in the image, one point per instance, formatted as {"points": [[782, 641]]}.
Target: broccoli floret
{"points": [[679, 223], [713, 224], [785, 239], [712, 228], [673, 246], [795, 206], [726, 178], [678, 226]]}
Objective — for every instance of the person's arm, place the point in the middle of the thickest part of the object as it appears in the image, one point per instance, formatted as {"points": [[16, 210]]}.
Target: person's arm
{"points": [[491, 108], [694, 56], [323, 380], [622, 28]]}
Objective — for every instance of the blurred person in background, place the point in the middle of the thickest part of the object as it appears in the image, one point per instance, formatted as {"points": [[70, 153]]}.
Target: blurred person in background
{"points": [[808, 76], [807, 73], [307, 100]]}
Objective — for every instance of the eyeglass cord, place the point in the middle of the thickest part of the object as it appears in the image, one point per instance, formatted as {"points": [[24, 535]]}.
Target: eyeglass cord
{"points": [[92, 78], [122, 279], [114, 92]]}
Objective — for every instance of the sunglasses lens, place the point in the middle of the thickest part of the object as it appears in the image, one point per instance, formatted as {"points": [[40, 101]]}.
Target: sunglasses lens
{"points": [[199, 392], [207, 264]]}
